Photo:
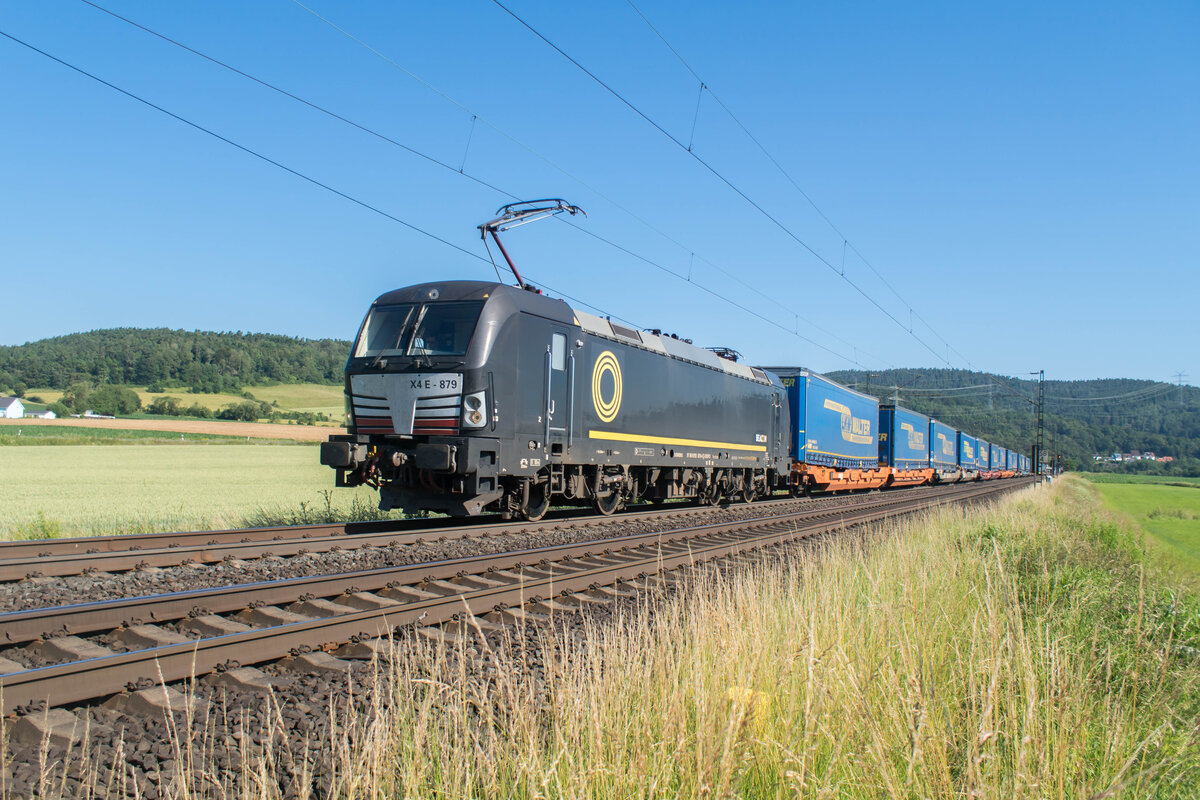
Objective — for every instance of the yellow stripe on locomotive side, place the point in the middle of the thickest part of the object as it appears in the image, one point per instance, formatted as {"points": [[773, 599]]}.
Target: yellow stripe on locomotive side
{"points": [[632, 437]]}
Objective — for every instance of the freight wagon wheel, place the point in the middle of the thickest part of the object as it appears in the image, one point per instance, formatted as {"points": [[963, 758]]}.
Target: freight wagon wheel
{"points": [[606, 504], [537, 501]]}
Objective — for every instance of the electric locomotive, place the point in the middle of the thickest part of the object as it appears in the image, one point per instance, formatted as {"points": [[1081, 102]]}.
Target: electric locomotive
{"points": [[468, 397]]}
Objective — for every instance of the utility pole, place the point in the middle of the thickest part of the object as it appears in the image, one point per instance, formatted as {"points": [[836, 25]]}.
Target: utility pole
{"points": [[1179, 376], [895, 395], [869, 376], [1041, 405]]}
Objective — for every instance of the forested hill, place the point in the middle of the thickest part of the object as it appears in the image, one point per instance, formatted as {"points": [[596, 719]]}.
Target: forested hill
{"points": [[1114, 415], [203, 360]]}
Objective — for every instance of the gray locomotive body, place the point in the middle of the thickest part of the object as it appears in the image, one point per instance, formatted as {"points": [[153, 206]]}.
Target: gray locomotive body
{"points": [[466, 397]]}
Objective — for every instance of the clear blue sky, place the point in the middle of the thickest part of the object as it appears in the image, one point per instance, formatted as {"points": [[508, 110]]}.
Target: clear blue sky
{"points": [[1025, 175]]}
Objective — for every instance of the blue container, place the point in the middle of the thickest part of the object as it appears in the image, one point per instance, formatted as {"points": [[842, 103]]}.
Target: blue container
{"points": [[903, 438], [832, 425], [967, 447], [983, 455], [997, 457], [943, 445]]}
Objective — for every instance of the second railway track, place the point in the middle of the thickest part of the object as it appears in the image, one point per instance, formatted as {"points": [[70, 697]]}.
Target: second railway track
{"points": [[58, 558], [320, 620]]}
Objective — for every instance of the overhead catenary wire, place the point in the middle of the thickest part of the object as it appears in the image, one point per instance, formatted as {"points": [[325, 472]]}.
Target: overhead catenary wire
{"points": [[477, 180], [705, 87], [1143, 393], [476, 117], [294, 172], [720, 176]]}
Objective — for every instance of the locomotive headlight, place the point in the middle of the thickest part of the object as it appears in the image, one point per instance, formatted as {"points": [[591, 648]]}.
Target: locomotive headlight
{"points": [[474, 415]]}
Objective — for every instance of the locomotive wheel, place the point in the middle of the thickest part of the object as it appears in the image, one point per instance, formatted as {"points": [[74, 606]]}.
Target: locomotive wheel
{"points": [[537, 502], [749, 490], [608, 503], [709, 495]]}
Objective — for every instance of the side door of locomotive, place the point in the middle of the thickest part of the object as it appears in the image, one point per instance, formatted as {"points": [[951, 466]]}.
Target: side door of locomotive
{"points": [[556, 410]]}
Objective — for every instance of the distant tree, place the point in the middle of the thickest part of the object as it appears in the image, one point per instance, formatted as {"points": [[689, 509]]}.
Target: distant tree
{"points": [[246, 411], [76, 396], [114, 399], [165, 405], [59, 410], [18, 389], [197, 410]]}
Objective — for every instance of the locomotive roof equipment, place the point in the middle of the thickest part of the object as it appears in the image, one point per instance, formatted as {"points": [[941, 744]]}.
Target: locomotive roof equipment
{"points": [[514, 215]]}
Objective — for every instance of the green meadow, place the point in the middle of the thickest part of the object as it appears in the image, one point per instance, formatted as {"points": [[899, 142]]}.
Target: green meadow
{"points": [[81, 489], [42, 434], [1168, 510]]}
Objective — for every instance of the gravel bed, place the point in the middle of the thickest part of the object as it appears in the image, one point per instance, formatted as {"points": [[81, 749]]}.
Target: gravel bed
{"points": [[45, 592]]}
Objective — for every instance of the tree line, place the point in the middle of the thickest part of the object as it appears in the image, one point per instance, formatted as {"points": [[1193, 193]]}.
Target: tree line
{"points": [[1081, 418], [203, 361]]}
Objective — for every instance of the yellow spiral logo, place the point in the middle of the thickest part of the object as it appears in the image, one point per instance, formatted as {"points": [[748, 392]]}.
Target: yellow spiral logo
{"points": [[606, 409]]}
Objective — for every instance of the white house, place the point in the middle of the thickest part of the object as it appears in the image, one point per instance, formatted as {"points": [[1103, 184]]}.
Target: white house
{"points": [[42, 414], [11, 408]]}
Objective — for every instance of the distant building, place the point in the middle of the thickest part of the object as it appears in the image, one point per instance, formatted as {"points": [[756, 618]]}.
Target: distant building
{"points": [[44, 413], [11, 408]]}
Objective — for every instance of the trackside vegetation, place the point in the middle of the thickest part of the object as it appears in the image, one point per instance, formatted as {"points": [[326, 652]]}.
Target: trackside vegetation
{"points": [[1021, 652], [1024, 651]]}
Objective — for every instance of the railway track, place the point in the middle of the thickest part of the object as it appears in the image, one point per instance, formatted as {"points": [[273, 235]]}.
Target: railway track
{"points": [[58, 558], [316, 623]]}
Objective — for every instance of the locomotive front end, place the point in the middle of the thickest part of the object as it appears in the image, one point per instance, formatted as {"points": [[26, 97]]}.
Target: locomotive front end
{"points": [[419, 406]]}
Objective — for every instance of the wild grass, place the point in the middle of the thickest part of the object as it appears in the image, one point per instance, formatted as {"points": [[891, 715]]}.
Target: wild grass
{"points": [[1024, 651], [1019, 653]]}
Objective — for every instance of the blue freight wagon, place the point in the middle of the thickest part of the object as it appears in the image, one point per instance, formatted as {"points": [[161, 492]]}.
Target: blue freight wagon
{"points": [[968, 461], [997, 458], [943, 449], [833, 445], [903, 438], [983, 455]]}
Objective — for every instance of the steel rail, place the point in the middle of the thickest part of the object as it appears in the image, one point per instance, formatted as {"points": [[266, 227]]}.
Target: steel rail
{"points": [[78, 681], [48, 559], [31, 624]]}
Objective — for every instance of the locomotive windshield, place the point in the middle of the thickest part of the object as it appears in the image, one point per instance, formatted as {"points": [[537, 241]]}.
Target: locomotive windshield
{"points": [[413, 329]]}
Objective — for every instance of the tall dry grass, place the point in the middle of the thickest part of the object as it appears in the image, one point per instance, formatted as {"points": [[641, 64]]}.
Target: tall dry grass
{"points": [[1017, 652]]}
